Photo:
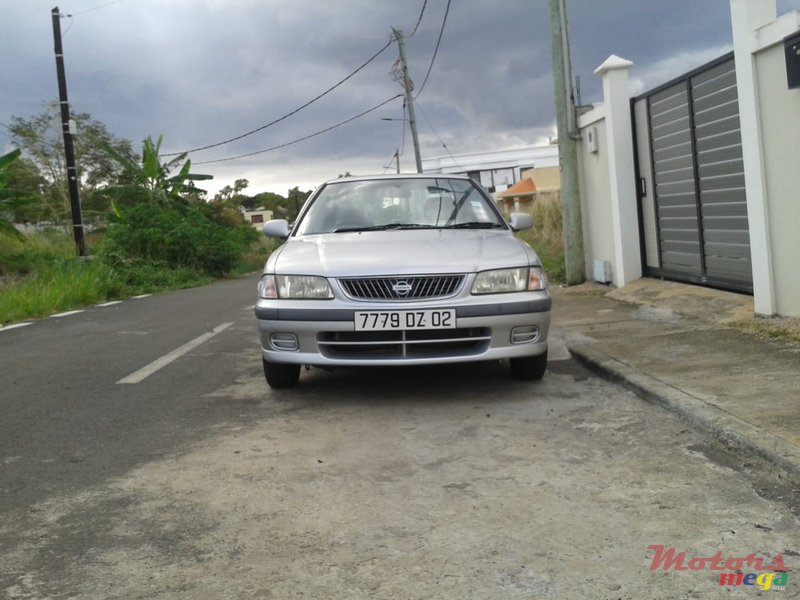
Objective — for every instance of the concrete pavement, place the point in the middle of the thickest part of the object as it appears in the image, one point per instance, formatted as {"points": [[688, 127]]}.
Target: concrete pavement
{"points": [[677, 345]]}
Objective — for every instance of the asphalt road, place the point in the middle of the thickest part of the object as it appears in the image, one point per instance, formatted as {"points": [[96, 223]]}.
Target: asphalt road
{"points": [[190, 479], [67, 422]]}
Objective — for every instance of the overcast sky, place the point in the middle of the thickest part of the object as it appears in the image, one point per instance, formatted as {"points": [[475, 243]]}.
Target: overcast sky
{"points": [[203, 71]]}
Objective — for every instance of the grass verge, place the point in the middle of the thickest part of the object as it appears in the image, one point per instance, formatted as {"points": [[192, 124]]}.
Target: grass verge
{"points": [[42, 276], [546, 236], [779, 328]]}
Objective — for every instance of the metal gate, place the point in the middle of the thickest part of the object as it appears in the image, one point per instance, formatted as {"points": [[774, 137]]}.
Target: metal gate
{"points": [[691, 193]]}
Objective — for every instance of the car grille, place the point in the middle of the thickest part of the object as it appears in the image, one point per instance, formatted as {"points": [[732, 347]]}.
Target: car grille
{"points": [[425, 287], [399, 345]]}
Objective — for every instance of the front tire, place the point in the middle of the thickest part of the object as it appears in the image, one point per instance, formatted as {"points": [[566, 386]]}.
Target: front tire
{"points": [[529, 368], [280, 375]]}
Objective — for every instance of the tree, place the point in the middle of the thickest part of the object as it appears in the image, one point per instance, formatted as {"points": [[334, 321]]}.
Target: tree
{"points": [[24, 178], [8, 197], [153, 180], [297, 198], [226, 206], [233, 194], [39, 138], [268, 201]]}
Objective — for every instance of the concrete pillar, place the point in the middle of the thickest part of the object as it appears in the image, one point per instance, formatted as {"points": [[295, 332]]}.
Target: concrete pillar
{"points": [[747, 16], [622, 176]]}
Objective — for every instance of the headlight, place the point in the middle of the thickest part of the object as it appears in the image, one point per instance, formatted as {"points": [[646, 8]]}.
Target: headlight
{"points": [[294, 286], [510, 280]]}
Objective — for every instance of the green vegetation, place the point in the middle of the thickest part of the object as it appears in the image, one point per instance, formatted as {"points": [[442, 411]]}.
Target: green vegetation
{"points": [[41, 172], [9, 198], [256, 255], [154, 180], [176, 236], [41, 275], [154, 230], [546, 237]]}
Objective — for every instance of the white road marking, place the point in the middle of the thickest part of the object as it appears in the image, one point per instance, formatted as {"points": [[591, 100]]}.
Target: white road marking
{"points": [[162, 362], [141, 296], [112, 303], [14, 326], [66, 314]]}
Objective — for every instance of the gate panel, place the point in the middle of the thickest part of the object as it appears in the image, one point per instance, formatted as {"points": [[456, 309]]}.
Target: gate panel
{"points": [[723, 204], [673, 174], [696, 165]]}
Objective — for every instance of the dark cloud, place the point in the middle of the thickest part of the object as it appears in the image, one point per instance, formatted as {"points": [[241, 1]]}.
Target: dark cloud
{"points": [[201, 71]]}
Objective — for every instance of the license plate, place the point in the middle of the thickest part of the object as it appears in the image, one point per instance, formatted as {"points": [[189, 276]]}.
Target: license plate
{"points": [[405, 319]]}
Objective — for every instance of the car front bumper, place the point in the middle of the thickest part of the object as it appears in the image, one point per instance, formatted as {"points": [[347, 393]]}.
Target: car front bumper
{"points": [[322, 332]]}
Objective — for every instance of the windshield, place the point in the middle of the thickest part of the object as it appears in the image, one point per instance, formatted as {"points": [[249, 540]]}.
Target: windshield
{"points": [[413, 203]]}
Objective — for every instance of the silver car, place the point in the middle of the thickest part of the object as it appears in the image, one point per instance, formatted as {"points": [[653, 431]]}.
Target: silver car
{"points": [[401, 270]]}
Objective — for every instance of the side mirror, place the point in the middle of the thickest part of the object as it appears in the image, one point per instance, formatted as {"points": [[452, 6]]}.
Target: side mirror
{"points": [[277, 228], [520, 221]]}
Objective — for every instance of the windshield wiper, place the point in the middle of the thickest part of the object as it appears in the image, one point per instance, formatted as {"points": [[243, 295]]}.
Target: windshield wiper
{"points": [[385, 227], [474, 225]]}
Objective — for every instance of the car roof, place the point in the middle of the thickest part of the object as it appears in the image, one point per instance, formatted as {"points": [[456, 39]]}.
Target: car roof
{"points": [[400, 176]]}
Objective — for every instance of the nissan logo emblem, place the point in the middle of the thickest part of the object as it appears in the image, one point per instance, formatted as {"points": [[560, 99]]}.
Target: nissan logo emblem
{"points": [[401, 288]]}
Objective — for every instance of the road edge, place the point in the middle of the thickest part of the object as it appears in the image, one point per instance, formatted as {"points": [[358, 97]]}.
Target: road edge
{"points": [[734, 433]]}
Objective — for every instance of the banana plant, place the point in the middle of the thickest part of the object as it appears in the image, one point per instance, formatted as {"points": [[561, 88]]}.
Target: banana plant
{"points": [[158, 179]]}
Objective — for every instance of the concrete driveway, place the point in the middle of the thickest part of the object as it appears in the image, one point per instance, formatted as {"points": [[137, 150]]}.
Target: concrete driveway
{"points": [[454, 483]]}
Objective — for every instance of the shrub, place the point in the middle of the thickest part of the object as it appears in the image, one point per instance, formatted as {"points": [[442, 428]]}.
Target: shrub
{"points": [[178, 236]]}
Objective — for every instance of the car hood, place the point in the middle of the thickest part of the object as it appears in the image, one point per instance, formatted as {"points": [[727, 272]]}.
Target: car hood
{"points": [[400, 252]]}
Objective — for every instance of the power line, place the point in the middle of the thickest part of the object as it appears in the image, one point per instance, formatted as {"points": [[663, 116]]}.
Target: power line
{"points": [[66, 31], [446, 149], [287, 115], [435, 50], [376, 107], [83, 12], [419, 20]]}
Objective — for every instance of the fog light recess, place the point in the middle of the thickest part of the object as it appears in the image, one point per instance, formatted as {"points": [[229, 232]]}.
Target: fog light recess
{"points": [[286, 342], [525, 334]]}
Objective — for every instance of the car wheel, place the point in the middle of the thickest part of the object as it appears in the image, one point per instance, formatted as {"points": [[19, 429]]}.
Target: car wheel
{"points": [[530, 368], [281, 375]]}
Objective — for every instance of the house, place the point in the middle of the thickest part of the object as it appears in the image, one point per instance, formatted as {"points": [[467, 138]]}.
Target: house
{"points": [[522, 195], [257, 218], [495, 170]]}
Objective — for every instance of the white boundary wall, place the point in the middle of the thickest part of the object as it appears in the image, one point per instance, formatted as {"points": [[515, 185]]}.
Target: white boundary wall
{"points": [[770, 122], [607, 176]]}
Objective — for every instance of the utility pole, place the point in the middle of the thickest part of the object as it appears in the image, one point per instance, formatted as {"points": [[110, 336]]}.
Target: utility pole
{"points": [[567, 145], [69, 151], [408, 86]]}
